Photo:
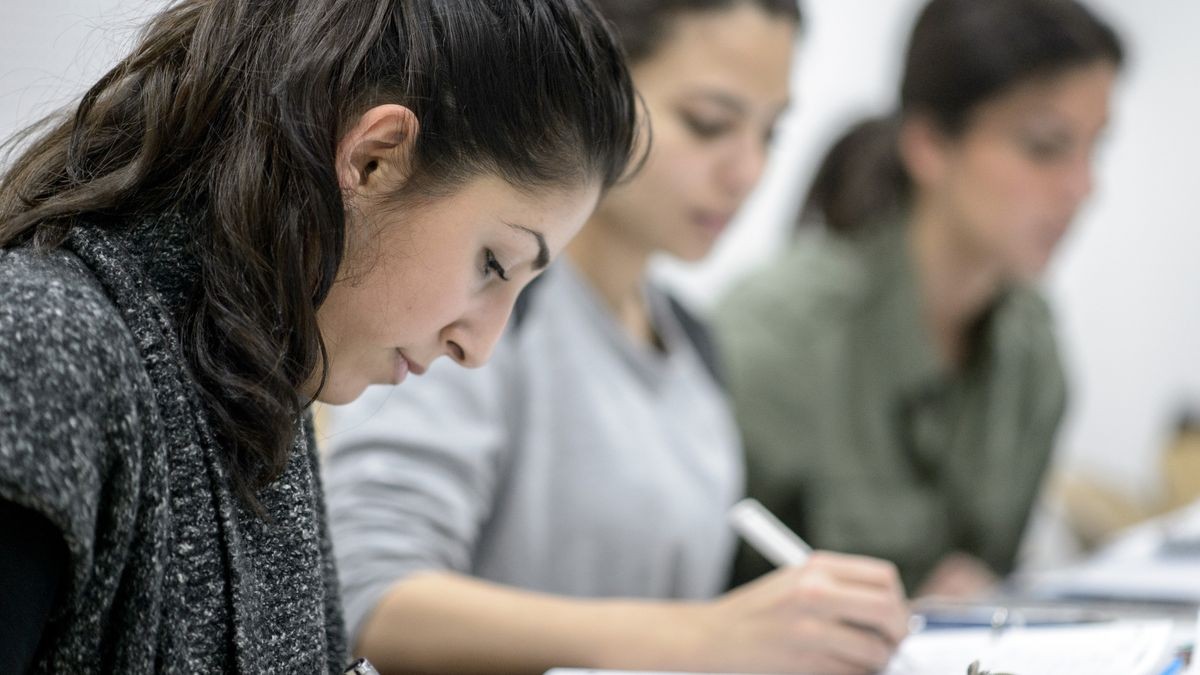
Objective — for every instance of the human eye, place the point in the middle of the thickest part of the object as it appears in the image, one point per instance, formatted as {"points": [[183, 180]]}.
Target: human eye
{"points": [[705, 127], [1042, 147], [493, 266]]}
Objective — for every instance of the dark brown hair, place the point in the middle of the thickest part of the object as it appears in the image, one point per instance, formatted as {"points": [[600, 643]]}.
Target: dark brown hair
{"points": [[644, 25], [962, 54], [232, 109]]}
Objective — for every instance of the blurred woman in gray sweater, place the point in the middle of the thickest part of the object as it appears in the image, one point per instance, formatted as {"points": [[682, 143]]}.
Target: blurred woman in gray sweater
{"points": [[559, 506]]}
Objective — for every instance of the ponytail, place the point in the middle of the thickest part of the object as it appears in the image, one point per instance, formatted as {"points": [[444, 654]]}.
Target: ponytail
{"points": [[861, 181]]}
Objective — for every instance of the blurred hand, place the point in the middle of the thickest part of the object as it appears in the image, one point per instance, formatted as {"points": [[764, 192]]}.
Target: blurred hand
{"points": [[836, 614], [959, 576]]}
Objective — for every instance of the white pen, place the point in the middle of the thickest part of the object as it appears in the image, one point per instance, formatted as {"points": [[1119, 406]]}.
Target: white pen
{"points": [[770, 537], [767, 534]]}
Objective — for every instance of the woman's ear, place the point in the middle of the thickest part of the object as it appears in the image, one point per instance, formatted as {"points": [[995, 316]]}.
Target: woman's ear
{"points": [[375, 155], [924, 150]]}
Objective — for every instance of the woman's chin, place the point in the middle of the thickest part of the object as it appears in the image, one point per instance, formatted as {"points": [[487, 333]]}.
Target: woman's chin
{"points": [[692, 252], [341, 392]]}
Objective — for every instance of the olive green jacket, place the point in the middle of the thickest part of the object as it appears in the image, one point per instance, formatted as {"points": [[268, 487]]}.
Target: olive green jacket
{"points": [[859, 437]]}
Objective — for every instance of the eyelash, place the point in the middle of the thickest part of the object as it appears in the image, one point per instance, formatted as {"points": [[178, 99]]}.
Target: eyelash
{"points": [[490, 264], [702, 129], [709, 131], [1044, 150]]}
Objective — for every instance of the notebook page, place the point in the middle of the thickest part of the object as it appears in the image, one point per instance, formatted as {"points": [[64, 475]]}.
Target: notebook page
{"points": [[1118, 648]]}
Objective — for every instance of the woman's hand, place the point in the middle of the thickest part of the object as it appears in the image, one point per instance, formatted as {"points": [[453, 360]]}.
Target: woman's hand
{"points": [[836, 614], [959, 576]]}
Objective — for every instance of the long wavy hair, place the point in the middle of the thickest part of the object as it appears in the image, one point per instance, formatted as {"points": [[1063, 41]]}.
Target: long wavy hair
{"points": [[232, 110], [962, 54]]}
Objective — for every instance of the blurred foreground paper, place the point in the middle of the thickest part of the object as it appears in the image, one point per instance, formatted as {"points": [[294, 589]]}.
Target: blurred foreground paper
{"points": [[1117, 648], [1156, 561]]}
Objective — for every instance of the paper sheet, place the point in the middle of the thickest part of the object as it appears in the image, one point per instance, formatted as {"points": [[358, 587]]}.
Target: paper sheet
{"points": [[1118, 648], [1134, 566]]}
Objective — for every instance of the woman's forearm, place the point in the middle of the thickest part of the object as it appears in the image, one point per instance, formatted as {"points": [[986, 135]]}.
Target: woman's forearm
{"points": [[446, 622]]}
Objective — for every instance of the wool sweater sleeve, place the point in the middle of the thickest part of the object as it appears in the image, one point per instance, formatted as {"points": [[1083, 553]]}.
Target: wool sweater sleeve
{"points": [[66, 423]]}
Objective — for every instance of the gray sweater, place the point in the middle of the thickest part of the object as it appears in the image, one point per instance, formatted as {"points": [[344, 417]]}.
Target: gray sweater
{"points": [[102, 431], [576, 462]]}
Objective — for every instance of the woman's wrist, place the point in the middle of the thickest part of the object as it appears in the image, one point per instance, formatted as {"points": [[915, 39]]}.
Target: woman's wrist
{"points": [[654, 635]]}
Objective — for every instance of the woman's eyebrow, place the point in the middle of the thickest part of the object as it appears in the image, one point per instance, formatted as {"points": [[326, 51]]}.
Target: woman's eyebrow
{"points": [[543, 254], [731, 103]]}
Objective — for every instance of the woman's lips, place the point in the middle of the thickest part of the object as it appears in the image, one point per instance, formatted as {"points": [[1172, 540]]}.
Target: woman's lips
{"points": [[714, 223], [405, 365]]}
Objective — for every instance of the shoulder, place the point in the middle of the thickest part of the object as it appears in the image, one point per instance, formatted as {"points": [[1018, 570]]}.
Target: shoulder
{"points": [[45, 280], [69, 375], [1026, 306], [57, 322], [820, 274], [811, 291]]}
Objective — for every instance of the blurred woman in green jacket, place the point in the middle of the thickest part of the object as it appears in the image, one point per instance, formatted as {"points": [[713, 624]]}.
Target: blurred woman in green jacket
{"points": [[897, 380]]}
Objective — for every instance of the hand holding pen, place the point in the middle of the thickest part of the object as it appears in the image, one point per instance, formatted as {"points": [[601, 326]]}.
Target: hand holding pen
{"points": [[821, 612]]}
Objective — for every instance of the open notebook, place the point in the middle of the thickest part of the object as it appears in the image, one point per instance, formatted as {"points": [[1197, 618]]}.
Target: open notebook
{"points": [[1117, 648]]}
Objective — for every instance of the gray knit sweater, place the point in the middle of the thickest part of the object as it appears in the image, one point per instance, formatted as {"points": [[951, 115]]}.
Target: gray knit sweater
{"points": [[102, 431]]}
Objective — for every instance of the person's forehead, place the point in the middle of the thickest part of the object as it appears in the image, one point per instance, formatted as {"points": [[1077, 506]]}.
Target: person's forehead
{"points": [[746, 55]]}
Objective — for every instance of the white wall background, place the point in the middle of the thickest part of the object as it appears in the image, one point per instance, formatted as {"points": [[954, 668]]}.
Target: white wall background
{"points": [[1126, 286]]}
